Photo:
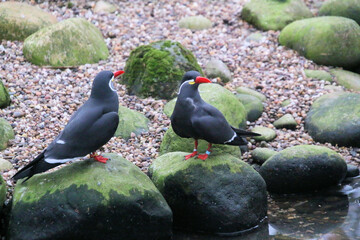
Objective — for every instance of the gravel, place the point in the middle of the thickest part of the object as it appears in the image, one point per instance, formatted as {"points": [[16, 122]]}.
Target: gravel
{"points": [[43, 98]]}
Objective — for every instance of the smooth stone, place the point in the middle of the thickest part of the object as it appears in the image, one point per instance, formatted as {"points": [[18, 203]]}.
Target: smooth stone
{"points": [[255, 37], [260, 155], [6, 133], [195, 23], [245, 90], [4, 96], [352, 171], [216, 68], [348, 8], [267, 134], [131, 121], [318, 74], [347, 79], [104, 7], [253, 106], [286, 121], [5, 165]]}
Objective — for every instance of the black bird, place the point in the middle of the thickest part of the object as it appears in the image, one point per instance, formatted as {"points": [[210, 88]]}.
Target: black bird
{"points": [[194, 118], [89, 128]]}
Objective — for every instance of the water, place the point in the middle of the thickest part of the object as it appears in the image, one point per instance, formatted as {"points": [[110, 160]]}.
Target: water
{"points": [[333, 214]]}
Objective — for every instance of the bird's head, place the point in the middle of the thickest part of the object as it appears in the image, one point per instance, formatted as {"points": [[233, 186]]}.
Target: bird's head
{"points": [[103, 83], [191, 80]]}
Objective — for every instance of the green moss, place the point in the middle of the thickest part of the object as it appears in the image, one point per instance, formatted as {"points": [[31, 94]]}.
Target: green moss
{"points": [[318, 74], [248, 91], [117, 175], [195, 23], [65, 44], [6, 133], [274, 14], [156, 70], [331, 41], [4, 96], [267, 134], [260, 155], [130, 121], [347, 79], [252, 105], [286, 121], [349, 9]]}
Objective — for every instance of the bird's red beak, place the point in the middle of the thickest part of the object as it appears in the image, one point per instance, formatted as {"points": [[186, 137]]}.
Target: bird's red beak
{"points": [[202, 80], [118, 73]]}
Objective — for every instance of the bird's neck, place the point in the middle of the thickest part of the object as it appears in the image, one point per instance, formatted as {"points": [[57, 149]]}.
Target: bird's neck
{"points": [[189, 92]]}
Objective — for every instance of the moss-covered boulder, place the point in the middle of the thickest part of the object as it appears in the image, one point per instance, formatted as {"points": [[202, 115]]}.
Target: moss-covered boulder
{"points": [[216, 68], [286, 121], [71, 42], [20, 20], [2, 193], [6, 133], [245, 90], [260, 155], [322, 39], [347, 79], [195, 23], [303, 168], [267, 134], [4, 96], [318, 74], [335, 118], [220, 195], [157, 69], [348, 8], [274, 14], [253, 106], [131, 121], [90, 200]]}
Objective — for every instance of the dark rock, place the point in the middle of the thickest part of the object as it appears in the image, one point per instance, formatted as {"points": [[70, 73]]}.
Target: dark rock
{"points": [[352, 171], [260, 155]]}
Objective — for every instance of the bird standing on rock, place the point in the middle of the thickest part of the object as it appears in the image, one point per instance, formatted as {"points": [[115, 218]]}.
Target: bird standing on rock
{"points": [[89, 128], [194, 118]]}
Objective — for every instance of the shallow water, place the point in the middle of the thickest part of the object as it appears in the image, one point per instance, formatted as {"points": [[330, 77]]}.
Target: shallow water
{"points": [[333, 214]]}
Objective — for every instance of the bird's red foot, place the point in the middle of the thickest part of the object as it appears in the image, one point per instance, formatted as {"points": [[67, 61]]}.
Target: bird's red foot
{"points": [[203, 156], [191, 155], [98, 158]]}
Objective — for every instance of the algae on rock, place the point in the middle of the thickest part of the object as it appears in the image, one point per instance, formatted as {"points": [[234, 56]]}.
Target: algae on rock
{"points": [[4, 96], [130, 121], [6, 133], [156, 69], [344, 8]]}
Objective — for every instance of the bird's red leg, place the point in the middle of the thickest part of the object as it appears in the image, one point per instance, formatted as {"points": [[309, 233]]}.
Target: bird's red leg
{"points": [[98, 157], [194, 153], [208, 151]]}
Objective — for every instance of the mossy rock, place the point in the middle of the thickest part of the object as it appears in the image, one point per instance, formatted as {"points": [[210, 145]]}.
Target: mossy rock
{"points": [[348, 8], [322, 39], [4, 96], [303, 168], [156, 69], [104, 7], [2, 193], [347, 79], [71, 42], [5, 165], [220, 195], [286, 121], [195, 23], [260, 155], [90, 200], [335, 118], [131, 121], [274, 14], [216, 68], [245, 90], [6, 133], [253, 106], [319, 75], [20, 20], [267, 134]]}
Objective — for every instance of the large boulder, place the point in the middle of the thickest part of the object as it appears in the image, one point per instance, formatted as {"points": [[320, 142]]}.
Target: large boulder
{"points": [[20, 20], [335, 118], [347, 79], [274, 14], [303, 168], [195, 23], [322, 39], [220, 195], [131, 121], [156, 69], [71, 42], [6, 133], [90, 200], [348, 8], [4, 96]]}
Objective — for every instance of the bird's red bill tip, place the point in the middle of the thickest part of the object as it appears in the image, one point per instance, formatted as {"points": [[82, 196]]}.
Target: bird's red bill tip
{"points": [[118, 73], [202, 80]]}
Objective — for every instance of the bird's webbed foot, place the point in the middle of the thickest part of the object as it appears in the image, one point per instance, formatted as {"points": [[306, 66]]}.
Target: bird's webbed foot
{"points": [[193, 154], [98, 158]]}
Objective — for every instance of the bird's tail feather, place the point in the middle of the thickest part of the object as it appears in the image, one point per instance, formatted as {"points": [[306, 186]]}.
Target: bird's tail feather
{"points": [[240, 139], [243, 133]]}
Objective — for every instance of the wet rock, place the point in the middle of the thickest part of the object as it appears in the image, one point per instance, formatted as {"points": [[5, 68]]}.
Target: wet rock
{"points": [[104, 7], [318, 74], [267, 134], [131, 121], [303, 168], [349, 9], [216, 68], [335, 118], [347, 79], [4, 96], [5, 165], [321, 39], [352, 170], [195, 23], [220, 195], [20, 20], [157, 69], [274, 14], [65, 44], [6, 133], [260, 155], [253, 106], [245, 90], [116, 199], [286, 121]]}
